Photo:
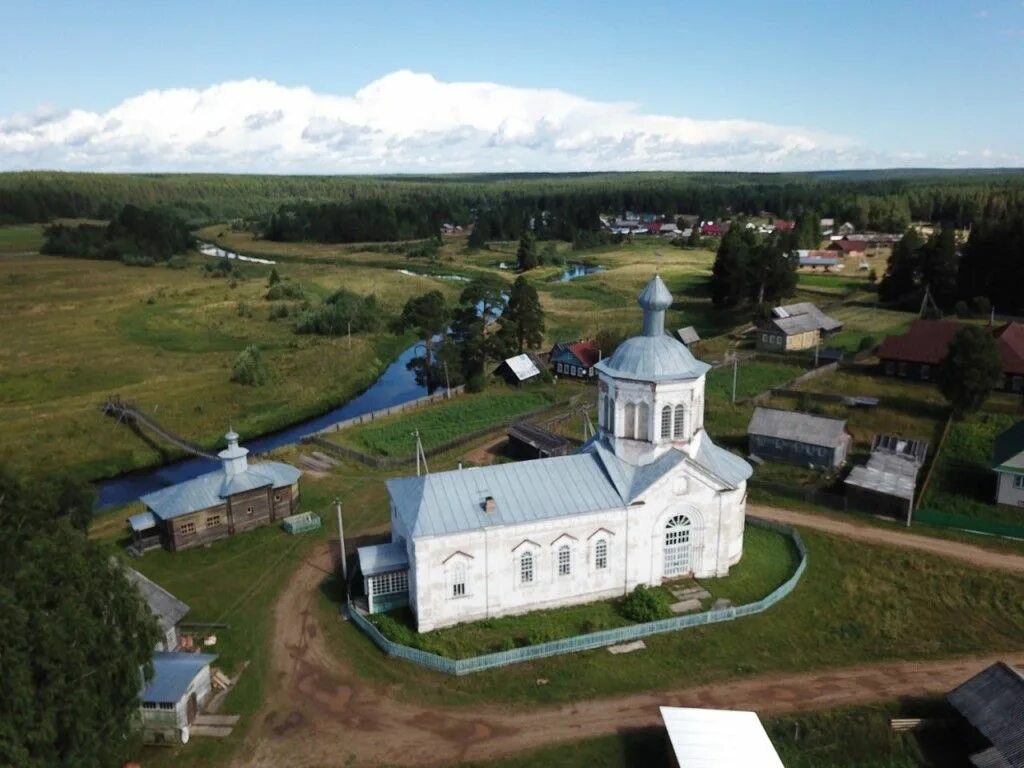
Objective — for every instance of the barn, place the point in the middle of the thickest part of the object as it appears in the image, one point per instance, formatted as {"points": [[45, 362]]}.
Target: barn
{"points": [[798, 438], [178, 690]]}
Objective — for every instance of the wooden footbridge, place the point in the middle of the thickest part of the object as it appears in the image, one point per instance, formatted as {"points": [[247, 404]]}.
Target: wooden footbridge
{"points": [[128, 414]]}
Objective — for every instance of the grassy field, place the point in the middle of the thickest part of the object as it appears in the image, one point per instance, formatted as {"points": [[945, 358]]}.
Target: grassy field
{"points": [[845, 738], [437, 424], [769, 559], [21, 238], [860, 322], [855, 604]]}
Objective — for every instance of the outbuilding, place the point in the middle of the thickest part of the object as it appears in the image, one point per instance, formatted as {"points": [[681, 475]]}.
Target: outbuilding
{"points": [[798, 438], [794, 327], [1008, 464], [516, 370], [717, 738], [991, 704], [886, 484], [178, 690], [528, 441], [165, 607]]}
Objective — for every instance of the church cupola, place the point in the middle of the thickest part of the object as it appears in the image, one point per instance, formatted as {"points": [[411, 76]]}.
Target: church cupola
{"points": [[654, 299], [233, 458]]}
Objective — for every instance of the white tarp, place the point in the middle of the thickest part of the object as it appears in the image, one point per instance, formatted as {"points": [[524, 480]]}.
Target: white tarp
{"points": [[718, 738]]}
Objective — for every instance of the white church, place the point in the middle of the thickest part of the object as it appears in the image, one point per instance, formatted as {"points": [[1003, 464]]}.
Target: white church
{"points": [[650, 498]]}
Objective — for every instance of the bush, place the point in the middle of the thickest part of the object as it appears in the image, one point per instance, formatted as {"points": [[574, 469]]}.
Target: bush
{"points": [[867, 343], [248, 368], [279, 312], [281, 291], [135, 260], [331, 318], [476, 383], [646, 604], [982, 305], [177, 262]]}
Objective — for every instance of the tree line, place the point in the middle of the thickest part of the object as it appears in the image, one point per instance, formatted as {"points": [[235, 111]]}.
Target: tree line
{"points": [[134, 236]]}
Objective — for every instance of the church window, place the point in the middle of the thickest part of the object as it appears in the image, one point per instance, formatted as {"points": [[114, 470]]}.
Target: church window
{"points": [[643, 412], [526, 568], [459, 580], [564, 560], [601, 555], [666, 421], [629, 421], [609, 421], [680, 422], [677, 546]]}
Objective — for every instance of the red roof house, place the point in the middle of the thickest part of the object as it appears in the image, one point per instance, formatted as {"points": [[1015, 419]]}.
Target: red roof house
{"points": [[781, 225], [1011, 348], [849, 246], [926, 342], [576, 359]]}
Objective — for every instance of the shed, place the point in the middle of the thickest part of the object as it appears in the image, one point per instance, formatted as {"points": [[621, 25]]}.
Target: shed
{"points": [[718, 738], [179, 688], [165, 607], [798, 438], [992, 704], [688, 335], [516, 370], [528, 441], [385, 569]]}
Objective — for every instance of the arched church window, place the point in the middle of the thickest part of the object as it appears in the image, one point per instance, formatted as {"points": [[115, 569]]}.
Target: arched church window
{"points": [[564, 560], [666, 422], [629, 420], [677, 546], [643, 418], [680, 422], [526, 568], [609, 419], [601, 555]]}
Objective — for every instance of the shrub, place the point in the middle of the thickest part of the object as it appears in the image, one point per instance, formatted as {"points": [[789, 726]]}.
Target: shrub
{"points": [[248, 368], [177, 262], [331, 318], [280, 291], [476, 383], [982, 305], [278, 312], [646, 604], [867, 343]]}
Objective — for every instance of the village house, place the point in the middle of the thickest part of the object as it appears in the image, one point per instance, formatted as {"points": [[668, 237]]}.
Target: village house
{"points": [[1011, 356], [650, 498], [165, 607], [575, 358], [919, 352], [886, 484], [180, 687], [846, 246], [794, 327], [235, 498], [826, 226], [717, 738], [798, 438], [1008, 464]]}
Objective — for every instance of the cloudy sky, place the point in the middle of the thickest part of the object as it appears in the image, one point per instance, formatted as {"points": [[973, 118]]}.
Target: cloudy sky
{"points": [[393, 87]]}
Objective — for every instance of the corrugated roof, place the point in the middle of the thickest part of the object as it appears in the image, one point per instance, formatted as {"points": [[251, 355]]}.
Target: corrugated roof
{"points": [[143, 521], [799, 427], [173, 673], [652, 358], [1008, 450], [927, 341], [688, 335], [522, 367], [718, 738], [382, 558], [888, 473], [794, 325], [167, 609], [210, 490], [822, 321], [993, 702]]}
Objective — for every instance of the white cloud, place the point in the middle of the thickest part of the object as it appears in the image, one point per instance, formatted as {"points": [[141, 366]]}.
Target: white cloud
{"points": [[403, 122]]}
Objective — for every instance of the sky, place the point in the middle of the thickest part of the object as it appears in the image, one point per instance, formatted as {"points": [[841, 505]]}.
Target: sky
{"points": [[403, 87]]}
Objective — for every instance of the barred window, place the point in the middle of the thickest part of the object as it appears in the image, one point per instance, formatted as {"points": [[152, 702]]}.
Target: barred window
{"points": [[187, 529], [666, 421], [601, 555], [213, 521], [680, 421], [526, 568], [390, 583], [459, 580], [564, 560]]}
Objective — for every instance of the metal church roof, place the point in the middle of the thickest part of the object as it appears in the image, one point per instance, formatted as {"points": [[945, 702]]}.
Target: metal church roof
{"points": [[993, 702], [652, 358], [165, 607], [173, 673], [211, 489], [655, 295]]}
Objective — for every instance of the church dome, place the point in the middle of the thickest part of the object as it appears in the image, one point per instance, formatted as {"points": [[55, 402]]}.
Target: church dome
{"points": [[654, 356]]}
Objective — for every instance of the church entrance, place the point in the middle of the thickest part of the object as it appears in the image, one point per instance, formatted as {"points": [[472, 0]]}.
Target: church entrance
{"points": [[677, 546]]}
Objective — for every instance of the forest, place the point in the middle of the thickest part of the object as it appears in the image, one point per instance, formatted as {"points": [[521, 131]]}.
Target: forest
{"points": [[347, 208]]}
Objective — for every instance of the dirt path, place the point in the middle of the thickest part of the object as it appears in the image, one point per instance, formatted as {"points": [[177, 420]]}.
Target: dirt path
{"points": [[894, 537], [319, 714]]}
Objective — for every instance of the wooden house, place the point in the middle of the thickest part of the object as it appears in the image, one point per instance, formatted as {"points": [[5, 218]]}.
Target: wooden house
{"points": [[794, 327], [576, 359], [919, 352], [235, 498], [798, 438], [990, 706], [1008, 464], [169, 702]]}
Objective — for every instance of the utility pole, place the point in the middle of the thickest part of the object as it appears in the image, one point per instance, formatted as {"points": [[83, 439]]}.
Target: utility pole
{"points": [[735, 375], [447, 382], [350, 334], [420, 455], [341, 543], [817, 347]]}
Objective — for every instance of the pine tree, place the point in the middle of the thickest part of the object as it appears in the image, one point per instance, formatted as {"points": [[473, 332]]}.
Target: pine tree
{"points": [[523, 319], [526, 255]]}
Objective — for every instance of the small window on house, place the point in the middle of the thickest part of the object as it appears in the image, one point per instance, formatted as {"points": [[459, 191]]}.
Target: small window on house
{"points": [[187, 529], [666, 421], [764, 337], [564, 560], [890, 367], [601, 555], [277, 497], [526, 568], [459, 580], [248, 510], [558, 367], [926, 371], [1018, 482], [149, 705], [213, 521]]}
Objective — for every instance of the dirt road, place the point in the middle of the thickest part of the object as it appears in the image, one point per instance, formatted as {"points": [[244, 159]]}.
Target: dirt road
{"points": [[319, 714], [894, 537]]}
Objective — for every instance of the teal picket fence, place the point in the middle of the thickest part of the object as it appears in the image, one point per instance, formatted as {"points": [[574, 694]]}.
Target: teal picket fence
{"points": [[591, 640]]}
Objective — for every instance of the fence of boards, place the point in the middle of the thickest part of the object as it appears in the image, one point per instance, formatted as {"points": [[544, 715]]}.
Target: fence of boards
{"points": [[966, 523], [591, 640]]}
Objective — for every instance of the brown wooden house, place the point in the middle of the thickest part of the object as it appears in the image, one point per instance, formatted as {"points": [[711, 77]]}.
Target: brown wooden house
{"points": [[235, 498]]}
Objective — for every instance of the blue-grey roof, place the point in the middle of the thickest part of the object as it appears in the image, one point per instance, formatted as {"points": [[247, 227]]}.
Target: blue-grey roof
{"points": [[143, 521], [993, 702], [165, 607], [798, 427], [172, 675], [652, 358], [655, 295], [211, 489], [382, 558], [593, 480]]}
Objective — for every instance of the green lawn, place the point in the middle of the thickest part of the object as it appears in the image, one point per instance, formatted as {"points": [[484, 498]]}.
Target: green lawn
{"points": [[855, 604], [21, 238], [860, 322], [768, 560], [437, 424]]}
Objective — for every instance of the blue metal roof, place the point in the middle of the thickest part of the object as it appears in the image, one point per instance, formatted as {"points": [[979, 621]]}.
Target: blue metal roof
{"points": [[211, 489], [655, 295], [593, 480], [382, 558], [173, 673], [653, 358], [143, 521]]}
